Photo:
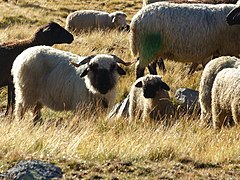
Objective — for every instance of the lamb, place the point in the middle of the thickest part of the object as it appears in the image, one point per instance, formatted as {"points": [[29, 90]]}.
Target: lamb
{"points": [[160, 30], [225, 97], [44, 76], [85, 20], [206, 83], [49, 34], [149, 97]]}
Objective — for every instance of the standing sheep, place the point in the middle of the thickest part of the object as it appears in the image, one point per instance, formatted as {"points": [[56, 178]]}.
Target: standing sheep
{"points": [[225, 97], [44, 76], [49, 34], [207, 79], [84, 20], [183, 32], [149, 97]]}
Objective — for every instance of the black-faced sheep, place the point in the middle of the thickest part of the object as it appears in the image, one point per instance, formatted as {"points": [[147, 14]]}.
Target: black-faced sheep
{"points": [[183, 32], [44, 76], [149, 98], [85, 20], [49, 34]]}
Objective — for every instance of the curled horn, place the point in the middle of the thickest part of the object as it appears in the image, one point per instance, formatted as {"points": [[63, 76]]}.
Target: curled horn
{"points": [[84, 61], [118, 60]]}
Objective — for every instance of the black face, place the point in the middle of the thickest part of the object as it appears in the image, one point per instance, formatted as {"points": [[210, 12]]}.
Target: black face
{"points": [[149, 90], [102, 80], [52, 34]]}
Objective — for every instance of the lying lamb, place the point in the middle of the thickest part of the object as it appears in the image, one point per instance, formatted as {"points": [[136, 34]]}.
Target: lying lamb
{"points": [[149, 98], [45, 76]]}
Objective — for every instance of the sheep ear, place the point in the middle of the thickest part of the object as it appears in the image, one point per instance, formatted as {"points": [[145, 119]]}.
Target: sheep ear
{"points": [[119, 60], [233, 16], [164, 86], [46, 29], [139, 84], [83, 61], [85, 72], [120, 71]]}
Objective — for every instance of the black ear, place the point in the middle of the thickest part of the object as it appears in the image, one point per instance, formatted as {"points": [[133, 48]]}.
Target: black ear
{"points": [[139, 84], [233, 17], [84, 73], [120, 71], [164, 86]]}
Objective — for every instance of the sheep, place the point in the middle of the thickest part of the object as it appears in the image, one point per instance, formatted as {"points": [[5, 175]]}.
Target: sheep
{"points": [[225, 97], [85, 20], [149, 98], [49, 34], [206, 82], [44, 76], [183, 32]]}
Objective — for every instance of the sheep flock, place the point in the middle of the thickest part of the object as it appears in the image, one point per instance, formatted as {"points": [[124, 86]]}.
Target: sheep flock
{"points": [[197, 32]]}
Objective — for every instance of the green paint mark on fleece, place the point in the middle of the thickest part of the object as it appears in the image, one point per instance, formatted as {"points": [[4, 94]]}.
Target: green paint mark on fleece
{"points": [[150, 46]]}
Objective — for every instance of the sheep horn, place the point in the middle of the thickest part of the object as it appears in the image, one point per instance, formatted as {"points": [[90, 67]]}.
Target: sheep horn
{"points": [[118, 60], [233, 16], [84, 61]]}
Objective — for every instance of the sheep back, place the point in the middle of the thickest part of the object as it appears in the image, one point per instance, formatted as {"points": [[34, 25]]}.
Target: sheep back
{"points": [[160, 30], [43, 74], [88, 20], [206, 82], [225, 97]]}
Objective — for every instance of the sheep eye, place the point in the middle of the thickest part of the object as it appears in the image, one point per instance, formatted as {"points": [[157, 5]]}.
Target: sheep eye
{"points": [[93, 66], [113, 67]]}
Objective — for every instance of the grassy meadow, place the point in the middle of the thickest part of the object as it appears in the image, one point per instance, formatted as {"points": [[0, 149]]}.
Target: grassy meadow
{"points": [[84, 144]]}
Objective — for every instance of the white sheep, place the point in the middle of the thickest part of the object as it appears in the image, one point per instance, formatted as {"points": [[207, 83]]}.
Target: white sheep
{"points": [[225, 97], [84, 20], [49, 34], [183, 32], [44, 76], [207, 79], [149, 98]]}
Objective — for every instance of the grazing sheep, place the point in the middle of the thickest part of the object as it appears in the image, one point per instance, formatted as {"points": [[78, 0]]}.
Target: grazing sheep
{"points": [[225, 97], [183, 32], [149, 97], [49, 34], [207, 79], [44, 76], [84, 20]]}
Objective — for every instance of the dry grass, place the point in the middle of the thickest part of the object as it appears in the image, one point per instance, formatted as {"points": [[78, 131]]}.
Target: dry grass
{"points": [[66, 137]]}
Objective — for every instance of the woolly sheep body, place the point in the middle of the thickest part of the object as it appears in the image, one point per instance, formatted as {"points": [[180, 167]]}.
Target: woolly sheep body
{"points": [[207, 79], [160, 30], [49, 34], [225, 97], [153, 108], [90, 19], [44, 76]]}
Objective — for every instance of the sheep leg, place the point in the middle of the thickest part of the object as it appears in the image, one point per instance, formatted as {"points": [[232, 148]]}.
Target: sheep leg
{"points": [[218, 118], [20, 110], [161, 64], [193, 68], [152, 68], [235, 114], [11, 99], [139, 72], [37, 113]]}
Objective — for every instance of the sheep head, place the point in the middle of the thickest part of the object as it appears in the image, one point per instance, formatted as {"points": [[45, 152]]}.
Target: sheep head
{"points": [[51, 34], [151, 85], [101, 72]]}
